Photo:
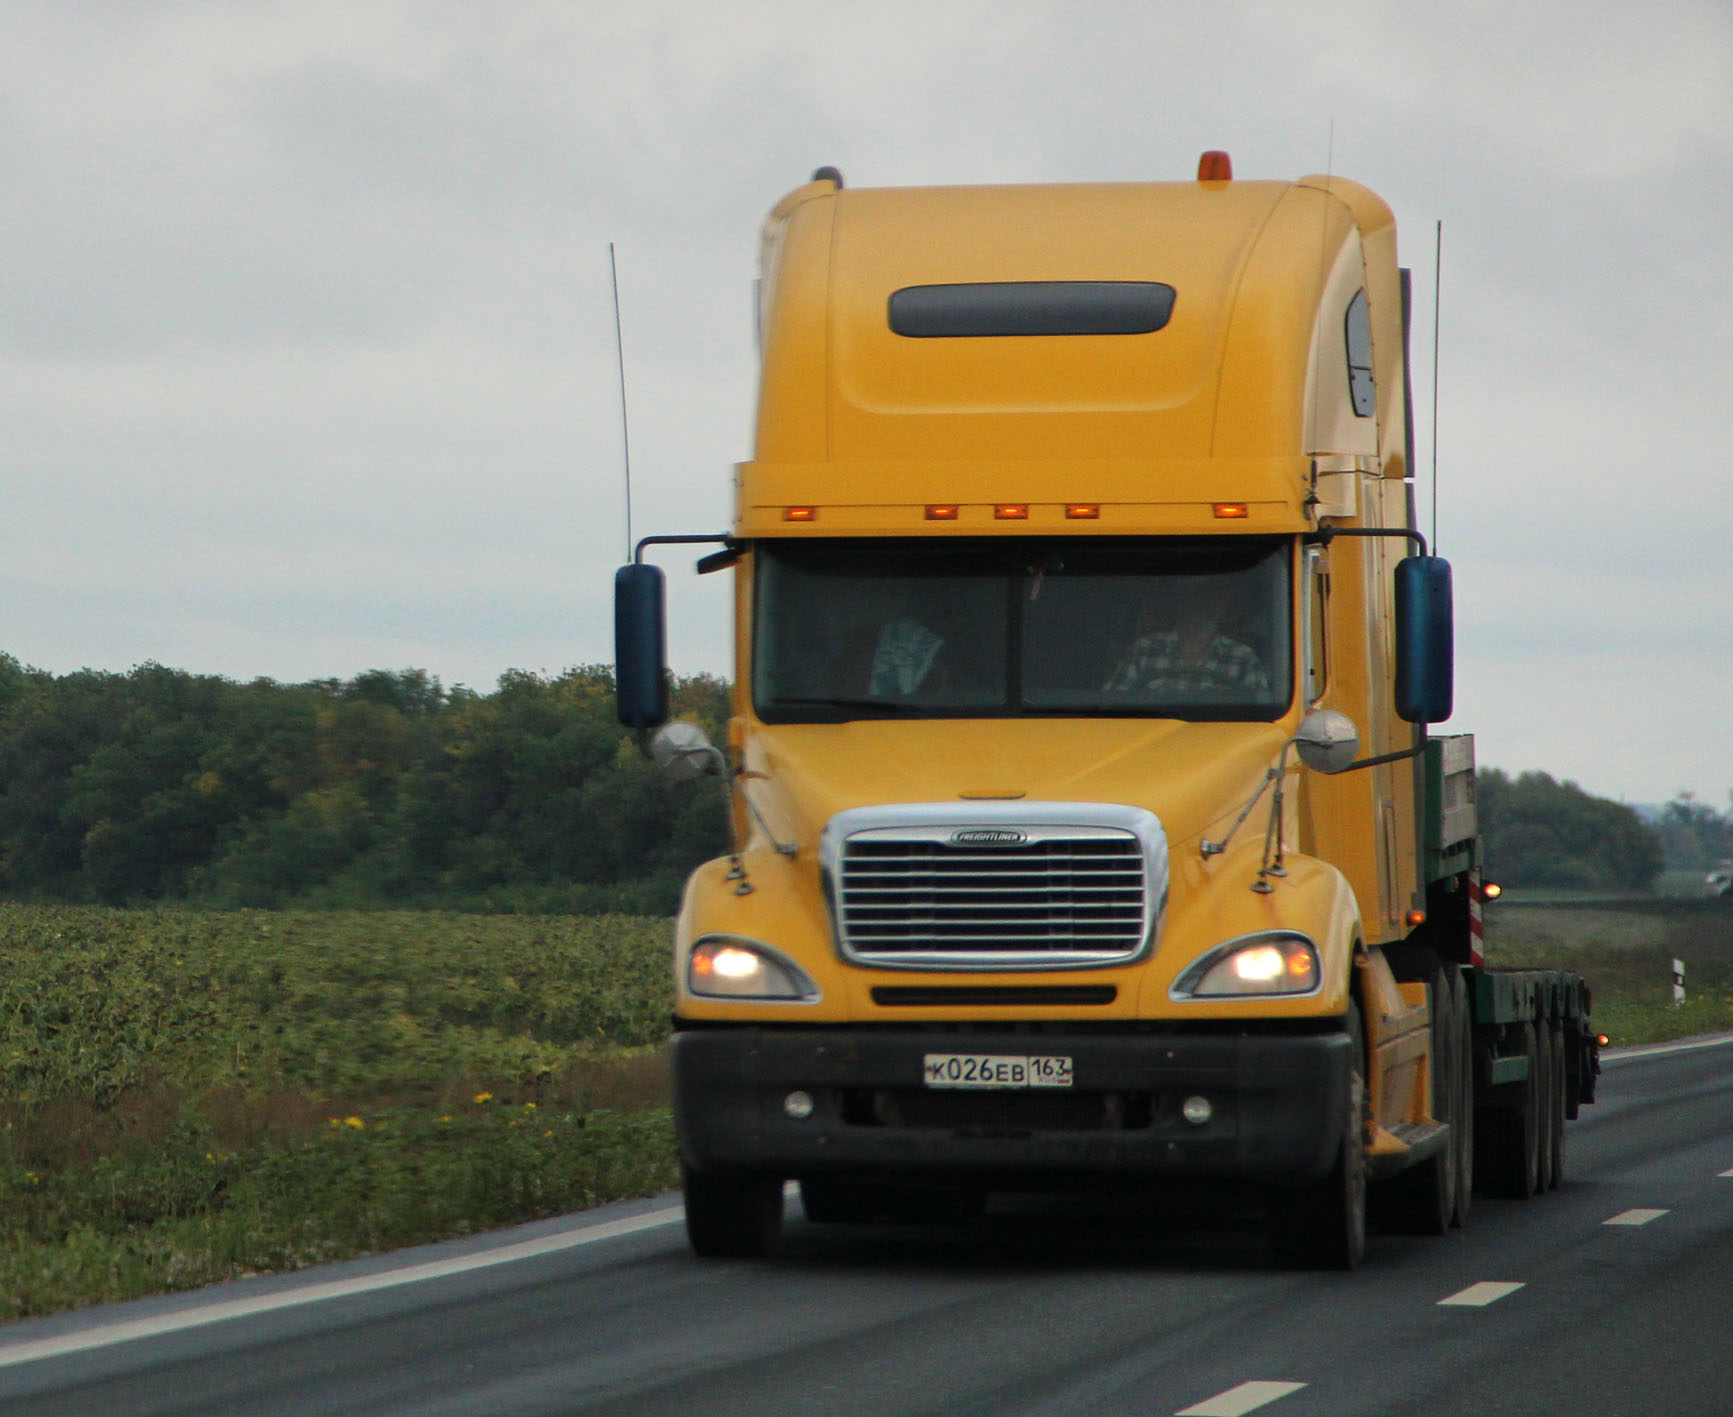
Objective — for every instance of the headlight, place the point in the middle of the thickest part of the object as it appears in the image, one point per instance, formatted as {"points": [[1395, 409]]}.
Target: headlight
{"points": [[732, 967], [1254, 965]]}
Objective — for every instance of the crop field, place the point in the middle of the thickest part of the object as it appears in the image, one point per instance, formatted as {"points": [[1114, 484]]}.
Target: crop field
{"points": [[190, 1096], [1626, 953]]}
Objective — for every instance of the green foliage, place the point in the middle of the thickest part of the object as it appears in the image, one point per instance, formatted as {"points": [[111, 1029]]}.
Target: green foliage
{"points": [[190, 1095], [387, 789], [1694, 835], [1539, 832]]}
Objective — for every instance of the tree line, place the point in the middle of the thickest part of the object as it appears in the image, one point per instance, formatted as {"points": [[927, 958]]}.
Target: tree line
{"points": [[389, 789], [1540, 832], [384, 789]]}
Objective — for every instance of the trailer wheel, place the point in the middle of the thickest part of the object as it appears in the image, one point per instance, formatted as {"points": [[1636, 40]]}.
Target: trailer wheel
{"points": [[1546, 1090], [1462, 1137], [1323, 1225], [1557, 1106], [732, 1215], [1509, 1135], [1422, 1199]]}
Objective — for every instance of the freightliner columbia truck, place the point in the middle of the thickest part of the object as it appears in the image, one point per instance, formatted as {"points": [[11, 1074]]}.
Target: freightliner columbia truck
{"points": [[1089, 829]]}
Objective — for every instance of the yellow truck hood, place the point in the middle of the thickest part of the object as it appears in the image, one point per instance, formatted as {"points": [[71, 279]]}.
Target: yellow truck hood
{"points": [[1196, 777]]}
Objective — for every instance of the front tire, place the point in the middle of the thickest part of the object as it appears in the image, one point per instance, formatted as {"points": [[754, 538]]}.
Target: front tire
{"points": [[731, 1215], [1323, 1225]]}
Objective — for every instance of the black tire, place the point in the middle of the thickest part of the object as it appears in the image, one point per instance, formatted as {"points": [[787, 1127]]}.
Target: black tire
{"points": [[1547, 1101], [1509, 1135], [1556, 1172], [1422, 1199], [1462, 1133], [731, 1215], [1323, 1225]]}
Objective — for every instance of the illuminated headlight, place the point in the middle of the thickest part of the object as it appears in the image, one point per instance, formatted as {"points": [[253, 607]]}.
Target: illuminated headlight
{"points": [[1255, 965], [731, 967]]}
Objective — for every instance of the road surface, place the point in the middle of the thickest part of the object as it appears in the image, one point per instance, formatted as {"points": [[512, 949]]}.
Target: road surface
{"points": [[1612, 1296]]}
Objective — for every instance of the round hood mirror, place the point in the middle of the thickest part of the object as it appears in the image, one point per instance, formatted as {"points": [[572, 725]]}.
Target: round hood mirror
{"points": [[683, 752], [1327, 741]]}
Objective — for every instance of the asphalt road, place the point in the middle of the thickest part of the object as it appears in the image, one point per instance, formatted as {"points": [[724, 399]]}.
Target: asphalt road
{"points": [[1612, 1297]]}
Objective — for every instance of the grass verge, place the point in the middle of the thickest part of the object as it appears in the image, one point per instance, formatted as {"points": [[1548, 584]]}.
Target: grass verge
{"points": [[193, 1096]]}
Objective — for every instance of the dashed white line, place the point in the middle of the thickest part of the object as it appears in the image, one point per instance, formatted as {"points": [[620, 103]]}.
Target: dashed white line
{"points": [[108, 1334], [1237, 1401], [1635, 1217], [1478, 1296]]}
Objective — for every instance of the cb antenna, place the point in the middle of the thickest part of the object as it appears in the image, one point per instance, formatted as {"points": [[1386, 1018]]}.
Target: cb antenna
{"points": [[1437, 272], [625, 426]]}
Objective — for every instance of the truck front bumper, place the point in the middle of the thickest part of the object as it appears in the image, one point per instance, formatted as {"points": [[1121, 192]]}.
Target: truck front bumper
{"points": [[1276, 1105]]}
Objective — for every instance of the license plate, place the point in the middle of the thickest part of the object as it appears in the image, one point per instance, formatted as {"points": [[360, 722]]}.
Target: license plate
{"points": [[995, 1070]]}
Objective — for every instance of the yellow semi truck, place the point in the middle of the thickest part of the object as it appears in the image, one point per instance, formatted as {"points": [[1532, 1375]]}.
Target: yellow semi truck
{"points": [[1089, 828]]}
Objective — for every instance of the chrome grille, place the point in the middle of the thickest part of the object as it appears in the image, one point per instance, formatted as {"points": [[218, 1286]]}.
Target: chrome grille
{"points": [[1056, 897]]}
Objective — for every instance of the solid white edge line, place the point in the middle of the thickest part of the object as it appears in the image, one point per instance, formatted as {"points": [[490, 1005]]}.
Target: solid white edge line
{"points": [[1638, 1216], [1237, 1401], [1478, 1296], [1661, 1050], [132, 1329]]}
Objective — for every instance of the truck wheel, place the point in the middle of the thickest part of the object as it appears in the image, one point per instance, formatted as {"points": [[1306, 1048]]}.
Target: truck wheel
{"points": [[1462, 1126], [1509, 1135], [1546, 1089], [1323, 1225], [1556, 1039], [1422, 1199], [731, 1215]]}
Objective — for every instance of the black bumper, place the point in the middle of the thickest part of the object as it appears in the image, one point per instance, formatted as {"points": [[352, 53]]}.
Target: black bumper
{"points": [[1277, 1103]]}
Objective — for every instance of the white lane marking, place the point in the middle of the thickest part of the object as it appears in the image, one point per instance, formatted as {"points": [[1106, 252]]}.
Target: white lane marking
{"points": [[1661, 1050], [1237, 1401], [1726, 1173], [1478, 1296], [106, 1335], [1635, 1217]]}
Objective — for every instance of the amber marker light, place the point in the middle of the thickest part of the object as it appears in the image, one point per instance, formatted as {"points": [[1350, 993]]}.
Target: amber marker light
{"points": [[1082, 511], [1416, 917], [1492, 890], [1231, 511], [942, 512], [1011, 511], [1215, 166], [799, 514]]}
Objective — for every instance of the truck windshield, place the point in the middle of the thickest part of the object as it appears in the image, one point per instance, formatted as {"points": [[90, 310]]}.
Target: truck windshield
{"points": [[1170, 627]]}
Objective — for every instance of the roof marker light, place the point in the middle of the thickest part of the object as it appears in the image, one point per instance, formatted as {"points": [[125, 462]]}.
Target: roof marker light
{"points": [[941, 511], [1011, 511], [1082, 511], [1232, 511], [799, 514], [1215, 166]]}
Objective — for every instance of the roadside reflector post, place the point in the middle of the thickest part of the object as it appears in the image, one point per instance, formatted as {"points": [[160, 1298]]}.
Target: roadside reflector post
{"points": [[1678, 983]]}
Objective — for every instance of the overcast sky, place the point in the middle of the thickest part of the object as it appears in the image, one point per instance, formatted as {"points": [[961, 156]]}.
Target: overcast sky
{"points": [[307, 354]]}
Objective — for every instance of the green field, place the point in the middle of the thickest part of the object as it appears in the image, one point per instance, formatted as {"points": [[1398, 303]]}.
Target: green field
{"points": [[191, 1096], [1626, 949]]}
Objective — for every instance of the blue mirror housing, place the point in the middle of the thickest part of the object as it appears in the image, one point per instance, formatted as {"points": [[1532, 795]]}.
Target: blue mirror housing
{"points": [[640, 646], [1425, 655]]}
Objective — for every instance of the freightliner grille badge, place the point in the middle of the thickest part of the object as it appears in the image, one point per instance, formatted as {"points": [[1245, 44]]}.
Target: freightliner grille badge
{"points": [[988, 838]]}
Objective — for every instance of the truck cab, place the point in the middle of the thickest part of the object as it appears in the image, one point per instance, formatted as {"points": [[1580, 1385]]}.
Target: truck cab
{"points": [[1085, 654]]}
